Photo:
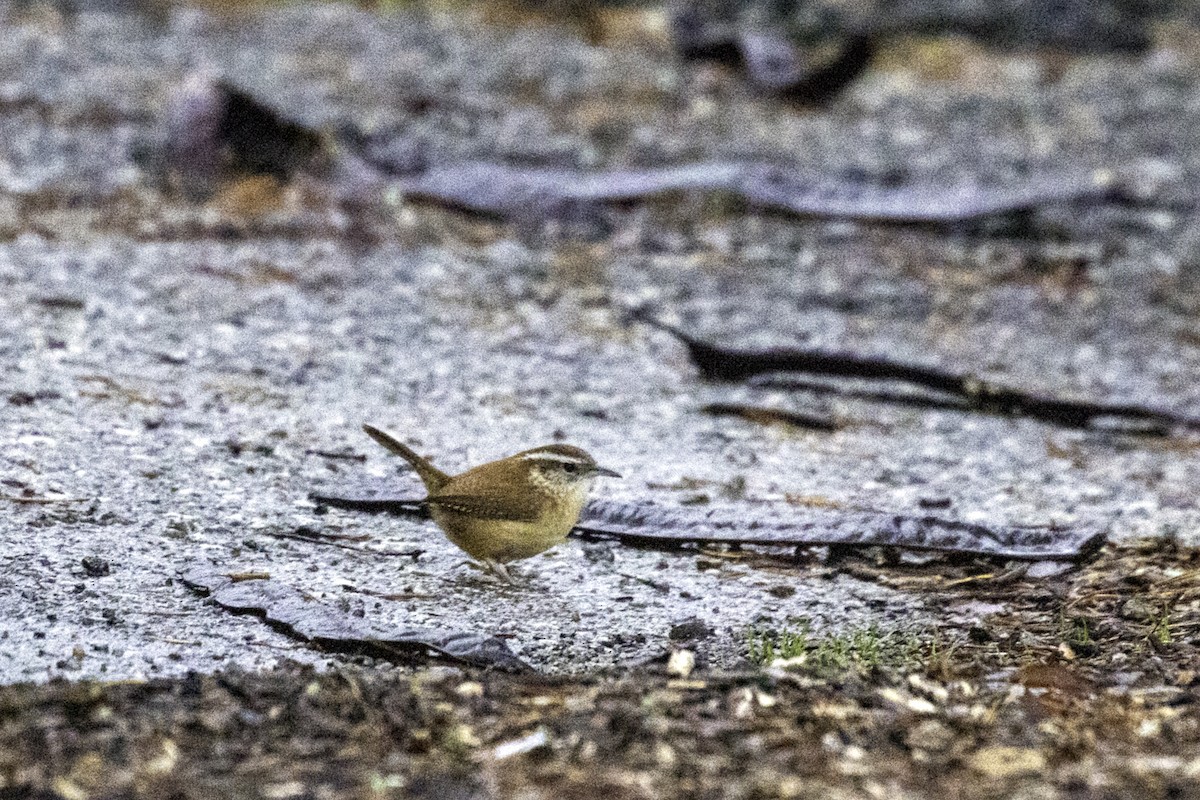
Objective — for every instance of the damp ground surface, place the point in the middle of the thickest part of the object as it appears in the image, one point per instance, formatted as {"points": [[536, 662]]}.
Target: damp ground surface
{"points": [[177, 377], [1032, 703]]}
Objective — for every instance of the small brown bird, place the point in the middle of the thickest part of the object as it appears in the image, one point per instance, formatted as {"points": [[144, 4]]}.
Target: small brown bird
{"points": [[508, 509]]}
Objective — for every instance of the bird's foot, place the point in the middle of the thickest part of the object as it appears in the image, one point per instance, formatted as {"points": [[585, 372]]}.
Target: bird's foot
{"points": [[499, 570], [494, 568]]}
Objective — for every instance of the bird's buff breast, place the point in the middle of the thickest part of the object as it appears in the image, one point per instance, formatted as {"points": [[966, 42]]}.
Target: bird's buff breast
{"points": [[506, 540]]}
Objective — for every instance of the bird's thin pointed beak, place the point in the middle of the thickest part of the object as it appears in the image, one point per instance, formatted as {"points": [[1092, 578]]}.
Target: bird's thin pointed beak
{"points": [[606, 471]]}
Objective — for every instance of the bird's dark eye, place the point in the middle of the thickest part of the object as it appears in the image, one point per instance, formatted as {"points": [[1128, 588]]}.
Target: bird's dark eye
{"points": [[570, 469]]}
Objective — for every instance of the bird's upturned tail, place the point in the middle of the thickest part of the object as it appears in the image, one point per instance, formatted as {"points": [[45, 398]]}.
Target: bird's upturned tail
{"points": [[431, 476]]}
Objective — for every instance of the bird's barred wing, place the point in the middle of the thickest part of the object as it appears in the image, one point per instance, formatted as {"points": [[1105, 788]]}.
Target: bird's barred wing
{"points": [[486, 506]]}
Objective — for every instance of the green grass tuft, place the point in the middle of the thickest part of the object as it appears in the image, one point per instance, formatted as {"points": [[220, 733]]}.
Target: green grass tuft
{"points": [[863, 649]]}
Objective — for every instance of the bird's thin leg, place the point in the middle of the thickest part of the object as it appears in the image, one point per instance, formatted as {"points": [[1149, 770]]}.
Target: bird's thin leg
{"points": [[499, 569]]}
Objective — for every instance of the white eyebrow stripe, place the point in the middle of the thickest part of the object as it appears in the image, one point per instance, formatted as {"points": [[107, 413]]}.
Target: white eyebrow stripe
{"points": [[557, 458]]}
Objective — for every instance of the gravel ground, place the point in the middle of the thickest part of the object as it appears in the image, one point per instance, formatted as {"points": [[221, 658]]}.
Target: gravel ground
{"points": [[174, 373]]}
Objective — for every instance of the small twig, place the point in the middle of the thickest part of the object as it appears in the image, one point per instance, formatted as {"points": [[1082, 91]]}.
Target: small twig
{"points": [[728, 555], [992, 578], [985, 576], [315, 535], [331, 542], [42, 500], [238, 577], [766, 416], [657, 586], [336, 456], [130, 395], [386, 595], [1183, 576]]}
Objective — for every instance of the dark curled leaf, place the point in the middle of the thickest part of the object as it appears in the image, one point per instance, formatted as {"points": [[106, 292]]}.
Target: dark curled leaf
{"points": [[698, 33], [813, 74], [295, 612], [969, 392], [808, 68], [787, 189], [672, 526], [261, 139], [521, 192], [215, 130], [792, 525], [513, 191]]}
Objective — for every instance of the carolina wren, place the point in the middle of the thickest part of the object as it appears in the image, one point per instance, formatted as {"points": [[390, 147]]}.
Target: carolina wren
{"points": [[508, 509]]}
